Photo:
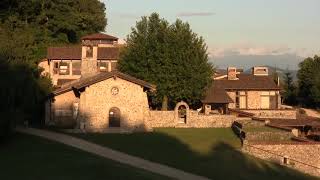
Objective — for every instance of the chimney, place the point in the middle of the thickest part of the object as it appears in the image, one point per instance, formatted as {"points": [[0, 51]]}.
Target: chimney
{"points": [[232, 73], [89, 59], [260, 71]]}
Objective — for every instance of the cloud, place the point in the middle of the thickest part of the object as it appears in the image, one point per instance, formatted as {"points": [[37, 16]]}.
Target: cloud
{"points": [[192, 14]]}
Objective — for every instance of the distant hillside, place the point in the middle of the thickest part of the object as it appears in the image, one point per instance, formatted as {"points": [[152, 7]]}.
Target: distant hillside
{"points": [[247, 61]]}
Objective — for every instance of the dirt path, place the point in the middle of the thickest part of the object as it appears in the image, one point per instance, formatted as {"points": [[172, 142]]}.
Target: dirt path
{"points": [[112, 154]]}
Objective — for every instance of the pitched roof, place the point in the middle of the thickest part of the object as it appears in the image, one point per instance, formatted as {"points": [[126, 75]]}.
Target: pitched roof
{"points": [[64, 52], [216, 95], [247, 82], [99, 36], [74, 53], [217, 92], [87, 81], [108, 53]]}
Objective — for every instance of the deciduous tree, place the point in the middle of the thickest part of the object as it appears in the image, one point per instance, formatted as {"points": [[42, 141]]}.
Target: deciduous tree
{"points": [[171, 56]]}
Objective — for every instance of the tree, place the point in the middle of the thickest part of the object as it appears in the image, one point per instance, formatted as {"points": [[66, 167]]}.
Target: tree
{"points": [[289, 94], [171, 56], [50, 22], [309, 82], [27, 28]]}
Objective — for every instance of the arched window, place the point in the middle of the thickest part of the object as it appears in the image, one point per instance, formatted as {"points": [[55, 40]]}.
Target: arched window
{"points": [[114, 117]]}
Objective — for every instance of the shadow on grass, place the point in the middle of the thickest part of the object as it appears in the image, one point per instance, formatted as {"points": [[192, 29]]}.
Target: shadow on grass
{"points": [[219, 159], [29, 157]]}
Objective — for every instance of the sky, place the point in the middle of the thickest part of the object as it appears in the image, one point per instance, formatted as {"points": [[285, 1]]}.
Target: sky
{"points": [[239, 32]]}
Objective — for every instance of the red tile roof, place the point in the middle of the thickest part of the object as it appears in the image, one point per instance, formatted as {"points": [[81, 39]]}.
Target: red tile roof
{"points": [[64, 52], [108, 53], [87, 81], [74, 53], [247, 82], [99, 36], [217, 92]]}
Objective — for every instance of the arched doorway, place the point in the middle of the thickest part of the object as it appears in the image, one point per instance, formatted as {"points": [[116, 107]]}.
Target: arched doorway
{"points": [[114, 117], [182, 112]]}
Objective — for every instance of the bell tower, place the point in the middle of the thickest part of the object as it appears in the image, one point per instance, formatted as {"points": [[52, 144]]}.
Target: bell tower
{"points": [[89, 58]]}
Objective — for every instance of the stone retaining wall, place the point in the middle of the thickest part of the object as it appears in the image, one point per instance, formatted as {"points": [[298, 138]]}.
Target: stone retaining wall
{"points": [[302, 156], [277, 114], [194, 120], [268, 136]]}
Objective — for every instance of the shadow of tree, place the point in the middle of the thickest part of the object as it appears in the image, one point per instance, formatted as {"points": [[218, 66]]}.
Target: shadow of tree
{"points": [[223, 161]]}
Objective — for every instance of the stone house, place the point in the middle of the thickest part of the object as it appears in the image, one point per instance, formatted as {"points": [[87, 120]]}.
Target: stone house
{"points": [[238, 90], [63, 64], [97, 97], [102, 101]]}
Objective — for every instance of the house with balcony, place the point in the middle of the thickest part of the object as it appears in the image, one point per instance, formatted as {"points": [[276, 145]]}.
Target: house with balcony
{"points": [[63, 64]]}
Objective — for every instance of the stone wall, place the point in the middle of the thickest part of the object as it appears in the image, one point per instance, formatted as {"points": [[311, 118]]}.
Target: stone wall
{"points": [[254, 99], [302, 156], [194, 120], [268, 136], [97, 100], [277, 114], [62, 110]]}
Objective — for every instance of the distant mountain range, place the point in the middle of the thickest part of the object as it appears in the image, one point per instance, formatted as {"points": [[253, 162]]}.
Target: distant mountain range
{"points": [[280, 63], [285, 61]]}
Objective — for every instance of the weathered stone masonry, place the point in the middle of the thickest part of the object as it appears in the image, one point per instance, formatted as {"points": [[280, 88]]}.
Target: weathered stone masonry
{"points": [[301, 156], [97, 100], [194, 120]]}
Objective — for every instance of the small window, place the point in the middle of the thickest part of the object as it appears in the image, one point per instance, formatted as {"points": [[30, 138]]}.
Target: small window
{"points": [[89, 51], [64, 68], [103, 66]]}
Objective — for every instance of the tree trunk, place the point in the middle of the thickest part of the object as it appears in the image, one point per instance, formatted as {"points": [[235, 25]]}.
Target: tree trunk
{"points": [[164, 103]]}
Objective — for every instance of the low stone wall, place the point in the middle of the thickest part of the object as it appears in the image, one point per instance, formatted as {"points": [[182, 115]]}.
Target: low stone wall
{"points": [[194, 120], [268, 136], [302, 156], [274, 114], [161, 119]]}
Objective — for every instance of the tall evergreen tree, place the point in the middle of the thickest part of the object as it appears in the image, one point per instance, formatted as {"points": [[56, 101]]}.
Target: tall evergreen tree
{"points": [[309, 82], [290, 91], [171, 56]]}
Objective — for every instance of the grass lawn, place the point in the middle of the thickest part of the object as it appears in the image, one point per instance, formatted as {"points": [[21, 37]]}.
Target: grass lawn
{"points": [[27, 157], [208, 152]]}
